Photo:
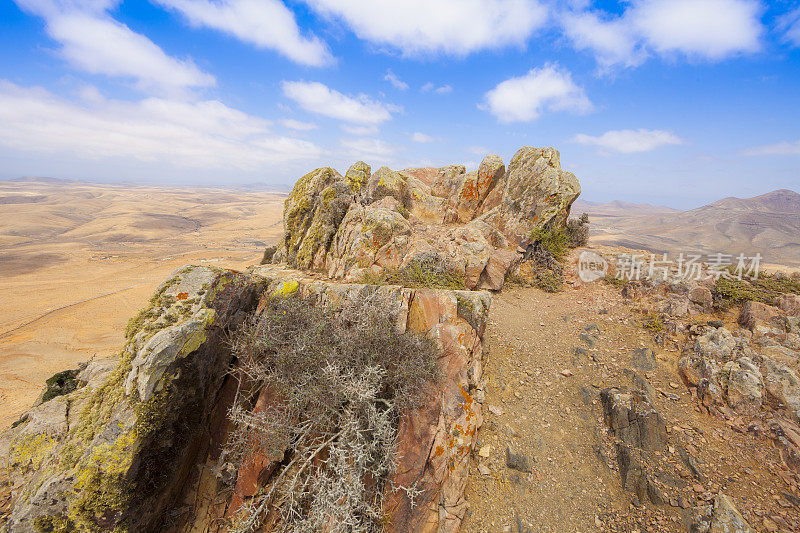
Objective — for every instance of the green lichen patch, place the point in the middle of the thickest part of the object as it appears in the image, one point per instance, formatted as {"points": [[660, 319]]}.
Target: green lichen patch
{"points": [[59, 384]]}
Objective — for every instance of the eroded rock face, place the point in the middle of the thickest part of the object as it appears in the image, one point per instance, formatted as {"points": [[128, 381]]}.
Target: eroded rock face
{"points": [[142, 438], [311, 216], [471, 221], [536, 192], [119, 456]]}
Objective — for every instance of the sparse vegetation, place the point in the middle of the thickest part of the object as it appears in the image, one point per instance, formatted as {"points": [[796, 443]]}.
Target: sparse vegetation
{"points": [[269, 253], [338, 380], [554, 240], [653, 322], [59, 384], [578, 231], [426, 271]]}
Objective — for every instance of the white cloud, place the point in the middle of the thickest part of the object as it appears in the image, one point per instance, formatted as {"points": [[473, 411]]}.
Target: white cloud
{"points": [[781, 148], [789, 25], [706, 29], [712, 29], [298, 125], [630, 141], [612, 41], [422, 138], [267, 24], [205, 134], [523, 99], [454, 27], [96, 43], [361, 131], [392, 78], [318, 98], [428, 87], [368, 148]]}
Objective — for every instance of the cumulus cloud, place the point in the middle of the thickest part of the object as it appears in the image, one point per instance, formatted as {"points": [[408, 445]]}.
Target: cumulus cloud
{"points": [[789, 26], [368, 148], [319, 98], [630, 141], [523, 99], [453, 27], [204, 134], [392, 78], [94, 42], [705, 29], [422, 138], [266, 24], [298, 125], [781, 148]]}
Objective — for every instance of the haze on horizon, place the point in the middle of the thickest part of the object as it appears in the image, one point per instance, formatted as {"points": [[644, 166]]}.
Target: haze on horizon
{"points": [[670, 102]]}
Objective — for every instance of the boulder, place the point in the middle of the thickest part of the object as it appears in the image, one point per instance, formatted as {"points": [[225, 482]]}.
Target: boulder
{"points": [[701, 296], [477, 187], [755, 314], [744, 386], [633, 420], [368, 235], [717, 344], [357, 177], [789, 304], [494, 275], [448, 181], [782, 386], [536, 193], [725, 518], [311, 216], [387, 182]]}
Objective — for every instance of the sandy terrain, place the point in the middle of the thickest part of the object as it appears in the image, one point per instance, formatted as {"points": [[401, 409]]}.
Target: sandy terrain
{"points": [[78, 260]]}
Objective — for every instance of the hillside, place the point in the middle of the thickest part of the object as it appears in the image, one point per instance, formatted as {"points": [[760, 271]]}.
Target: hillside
{"points": [[768, 224]]}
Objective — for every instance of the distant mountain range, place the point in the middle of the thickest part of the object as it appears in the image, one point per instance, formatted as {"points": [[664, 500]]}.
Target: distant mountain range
{"points": [[768, 224]]}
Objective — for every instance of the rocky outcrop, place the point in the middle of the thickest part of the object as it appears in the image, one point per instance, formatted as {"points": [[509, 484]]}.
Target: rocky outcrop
{"points": [[118, 456], [138, 444], [311, 215], [472, 222]]}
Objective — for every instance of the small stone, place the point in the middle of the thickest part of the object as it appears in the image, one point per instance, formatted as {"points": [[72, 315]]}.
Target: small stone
{"points": [[484, 470], [485, 451], [516, 461], [566, 372], [674, 385], [496, 411]]}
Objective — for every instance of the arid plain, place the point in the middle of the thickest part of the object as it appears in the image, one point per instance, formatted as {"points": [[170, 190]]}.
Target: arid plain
{"points": [[77, 260]]}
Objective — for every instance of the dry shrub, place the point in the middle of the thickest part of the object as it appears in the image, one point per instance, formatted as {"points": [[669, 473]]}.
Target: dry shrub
{"points": [[340, 378]]}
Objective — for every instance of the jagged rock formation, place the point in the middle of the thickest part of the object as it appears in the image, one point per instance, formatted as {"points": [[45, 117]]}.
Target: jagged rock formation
{"points": [[137, 445], [360, 224]]}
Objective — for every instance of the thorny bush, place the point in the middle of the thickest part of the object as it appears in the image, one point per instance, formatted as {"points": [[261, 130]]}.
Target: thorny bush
{"points": [[338, 380]]}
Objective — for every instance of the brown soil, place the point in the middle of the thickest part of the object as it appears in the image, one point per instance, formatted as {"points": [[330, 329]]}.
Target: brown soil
{"points": [[556, 421]]}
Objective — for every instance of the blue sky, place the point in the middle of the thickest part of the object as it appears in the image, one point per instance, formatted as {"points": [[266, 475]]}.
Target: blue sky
{"points": [[676, 102]]}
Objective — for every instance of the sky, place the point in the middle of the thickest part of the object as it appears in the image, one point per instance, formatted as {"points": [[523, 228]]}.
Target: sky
{"points": [[670, 102]]}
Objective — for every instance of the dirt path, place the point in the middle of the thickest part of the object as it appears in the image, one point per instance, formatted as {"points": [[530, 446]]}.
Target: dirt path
{"points": [[549, 357]]}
